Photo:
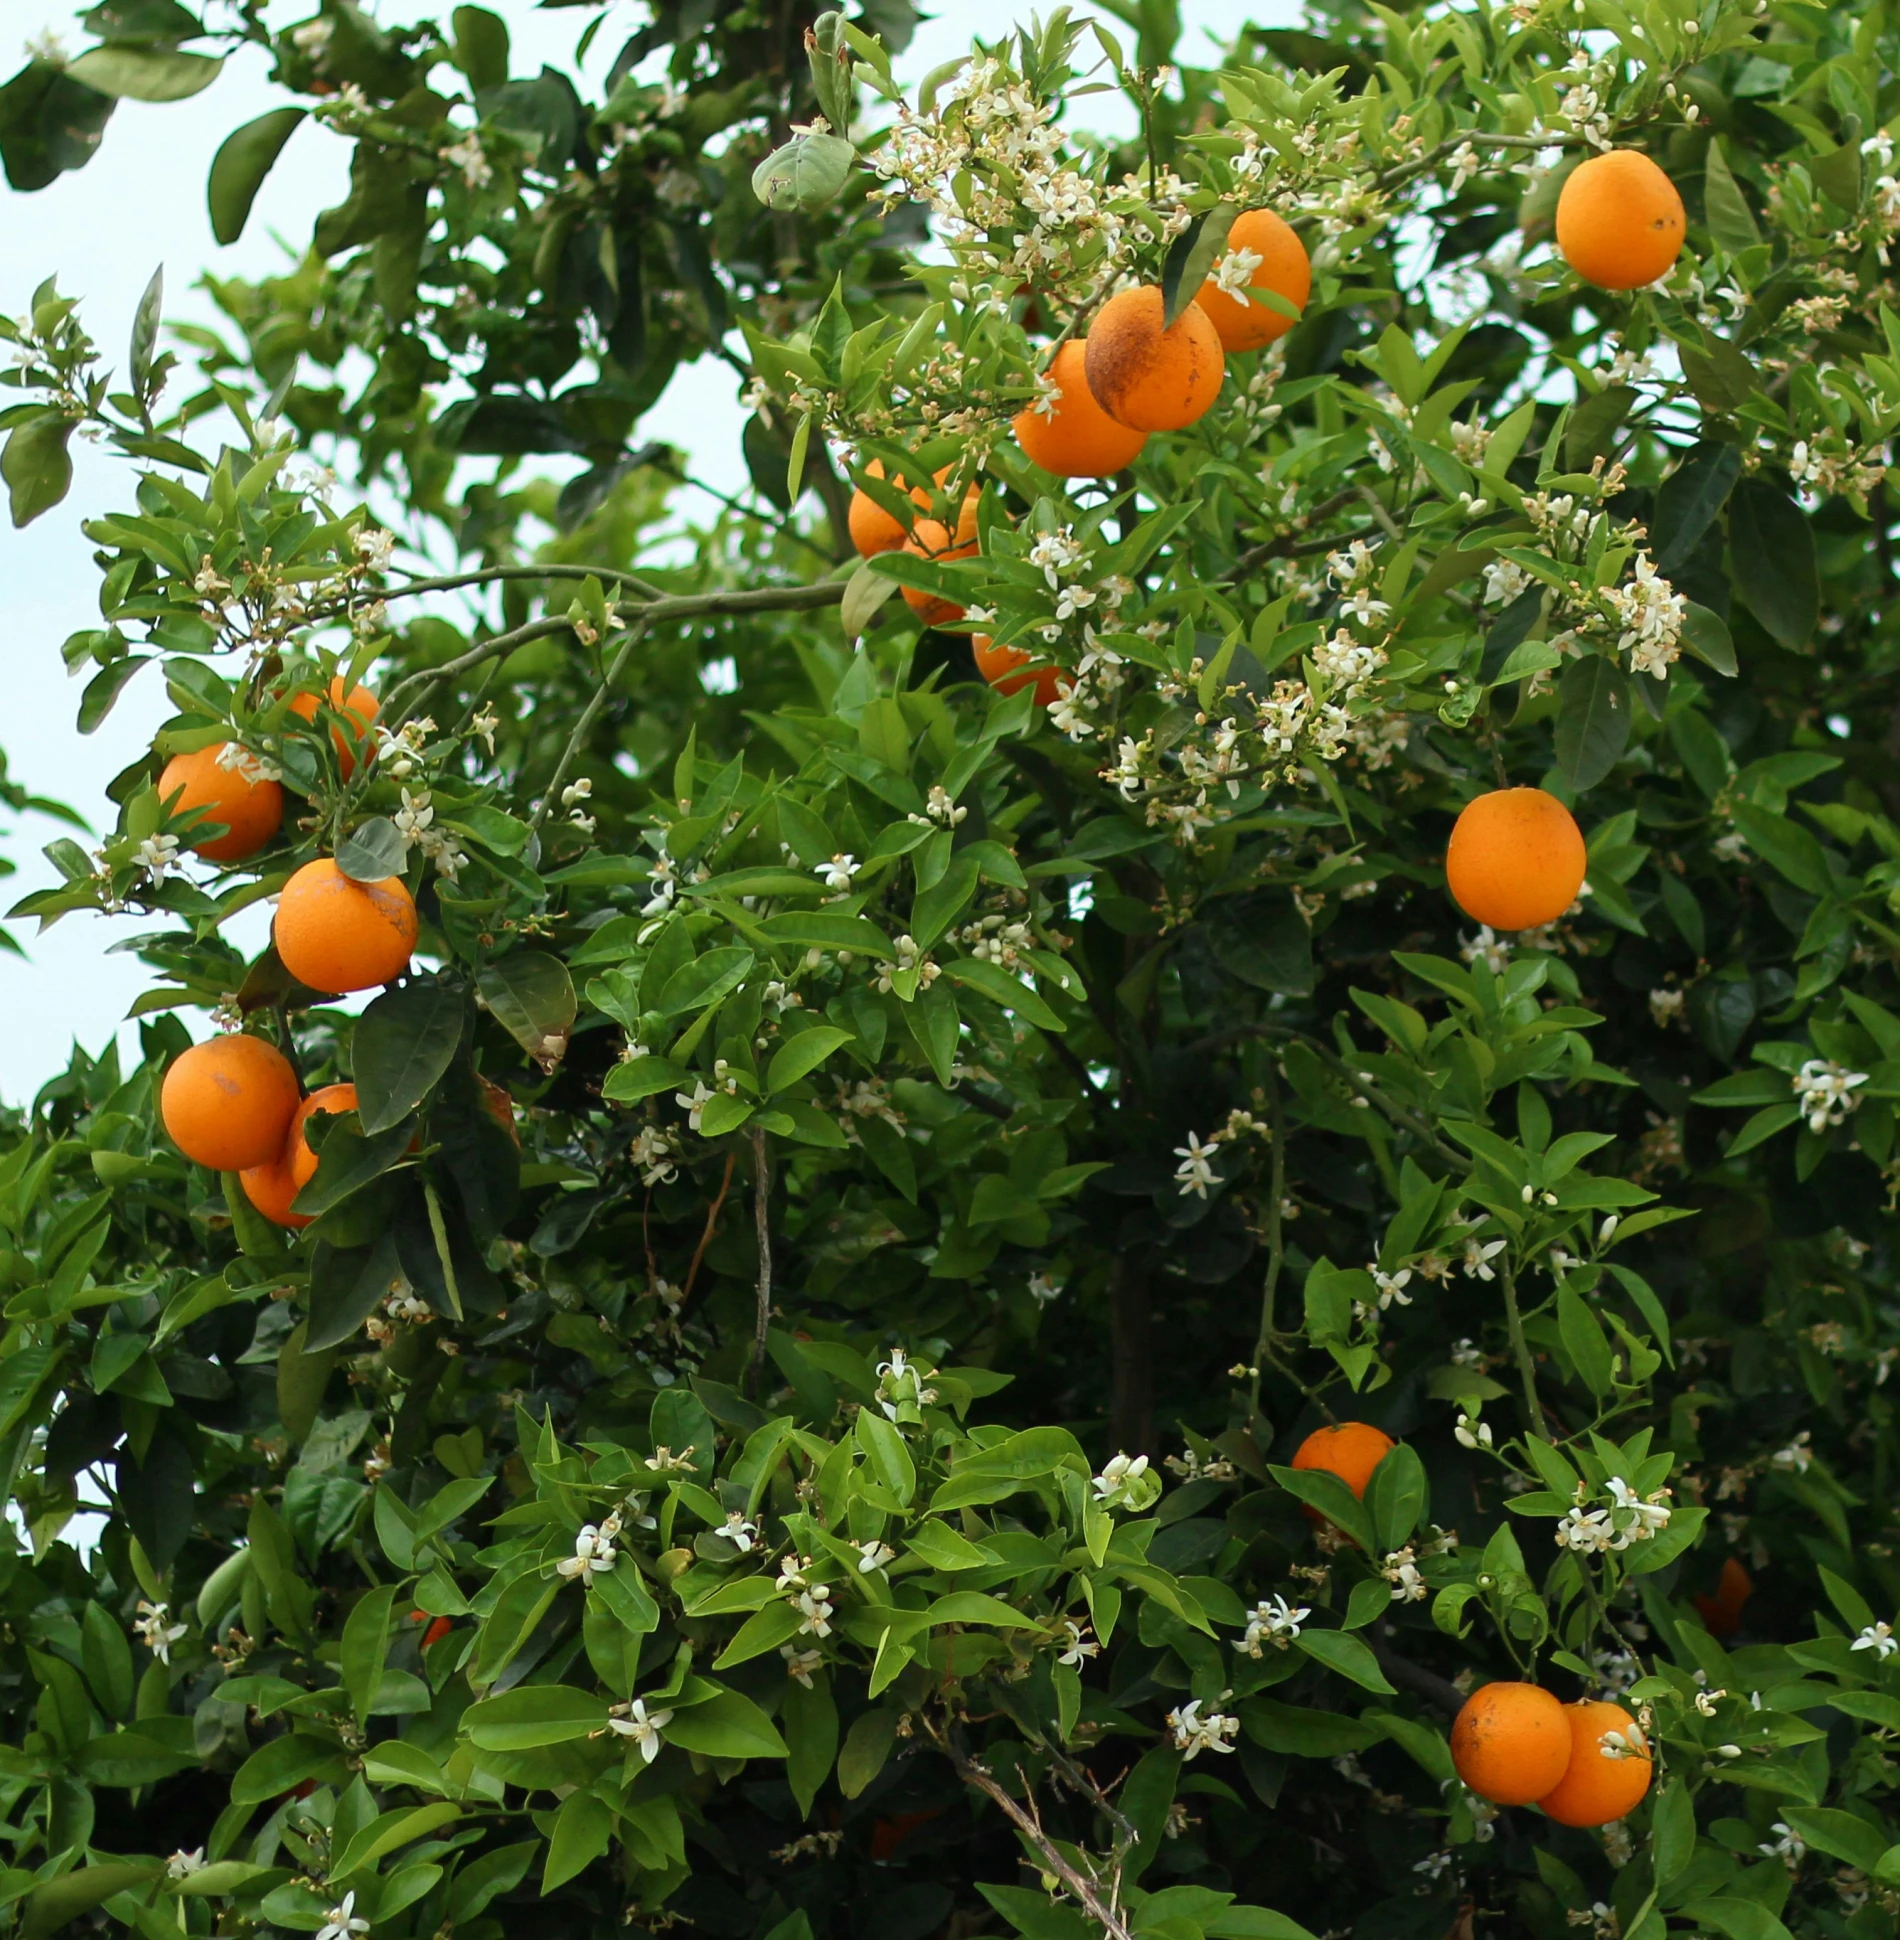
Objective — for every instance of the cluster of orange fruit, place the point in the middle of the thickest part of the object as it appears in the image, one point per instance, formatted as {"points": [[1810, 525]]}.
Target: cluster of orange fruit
{"points": [[1516, 859], [1583, 1764], [233, 1103], [1514, 1744]]}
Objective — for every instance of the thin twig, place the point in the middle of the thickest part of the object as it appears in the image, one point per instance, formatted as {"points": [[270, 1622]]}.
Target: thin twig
{"points": [[1520, 1351], [655, 612], [762, 1228], [705, 1238], [488, 575], [589, 714], [1025, 1820], [1276, 1248], [1361, 1086]]}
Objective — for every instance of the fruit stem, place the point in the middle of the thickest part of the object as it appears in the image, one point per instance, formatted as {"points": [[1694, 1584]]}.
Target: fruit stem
{"points": [[1520, 1350]]}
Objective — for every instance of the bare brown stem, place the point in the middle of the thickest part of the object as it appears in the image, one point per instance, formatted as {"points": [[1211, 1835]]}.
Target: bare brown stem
{"points": [[762, 1230], [1028, 1822]]}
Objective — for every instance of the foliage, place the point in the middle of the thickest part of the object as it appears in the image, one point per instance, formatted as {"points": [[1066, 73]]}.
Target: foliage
{"points": [[931, 1110]]}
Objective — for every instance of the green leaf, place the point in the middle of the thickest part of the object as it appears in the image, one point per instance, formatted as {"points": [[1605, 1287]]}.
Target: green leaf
{"points": [[1591, 428], [996, 983], [282, 1765], [886, 1455], [1738, 1919], [389, 1832], [799, 1056], [1327, 1494], [645, 1077], [765, 1629], [145, 73], [37, 467], [810, 1719], [1771, 553], [1191, 258], [1584, 1341], [866, 1747], [1350, 1656], [1397, 1496], [373, 851], [1731, 221], [1718, 371], [245, 158], [52, 1905], [403, 1044], [727, 1726], [583, 1828], [1706, 635], [531, 1715], [1690, 500], [822, 929], [365, 1646], [1593, 719], [481, 46], [531, 996]]}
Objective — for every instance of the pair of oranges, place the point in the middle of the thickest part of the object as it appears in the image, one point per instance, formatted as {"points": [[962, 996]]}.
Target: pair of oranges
{"points": [[251, 811], [1584, 1764], [234, 1104], [230, 1102]]}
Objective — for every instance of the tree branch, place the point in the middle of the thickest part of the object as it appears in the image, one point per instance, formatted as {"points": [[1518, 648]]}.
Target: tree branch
{"points": [[1415, 1678], [705, 1238], [654, 612], [762, 1229], [1029, 1824]]}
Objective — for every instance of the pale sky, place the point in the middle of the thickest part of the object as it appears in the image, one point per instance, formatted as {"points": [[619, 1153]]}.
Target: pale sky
{"points": [[101, 231]]}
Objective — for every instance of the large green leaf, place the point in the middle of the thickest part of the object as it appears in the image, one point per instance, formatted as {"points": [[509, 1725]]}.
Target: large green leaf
{"points": [[245, 158], [403, 1044], [1771, 552], [1593, 719]]}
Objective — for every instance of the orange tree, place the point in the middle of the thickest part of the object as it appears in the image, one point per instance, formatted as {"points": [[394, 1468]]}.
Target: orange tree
{"points": [[918, 1307]]}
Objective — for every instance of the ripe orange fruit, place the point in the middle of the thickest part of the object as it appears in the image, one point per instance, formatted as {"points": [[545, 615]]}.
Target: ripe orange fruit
{"points": [[436, 1631], [337, 935], [251, 811], [270, 1188], [227, 1102], [1721, 1613], [349, 740], [1350, 1450], [930, 539], [1516, 859], [1148, 378], [873, 530], [998, 666], [1619, 220], [1076, 438], [298, 1155], [1511, 1743], [1284, 268], [1596, 1789]]}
